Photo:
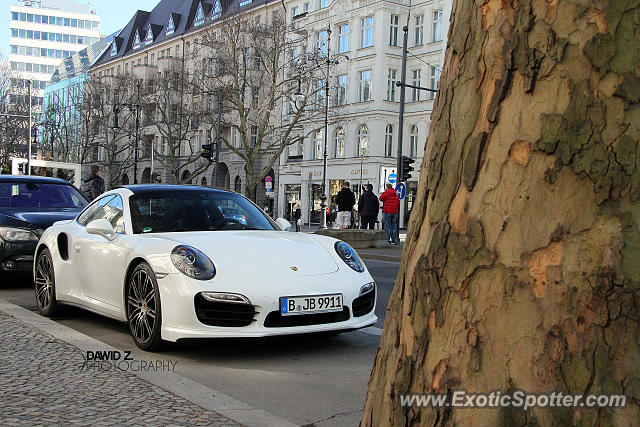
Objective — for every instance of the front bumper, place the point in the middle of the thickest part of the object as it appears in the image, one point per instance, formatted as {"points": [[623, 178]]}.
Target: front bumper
{"points": [[17, 256], [183, 315]]}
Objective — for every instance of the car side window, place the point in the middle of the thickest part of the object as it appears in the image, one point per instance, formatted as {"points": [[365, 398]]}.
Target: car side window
{"points": [[114, 213], [94, 211]]}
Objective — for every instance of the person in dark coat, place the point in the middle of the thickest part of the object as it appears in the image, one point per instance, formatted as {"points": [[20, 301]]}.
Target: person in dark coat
{"points": [[93, 185], [368, 207], [297, 217], [345, 200]]}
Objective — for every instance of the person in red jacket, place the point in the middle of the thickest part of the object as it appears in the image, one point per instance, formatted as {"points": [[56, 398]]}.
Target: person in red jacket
{"points": [[390, 208]]}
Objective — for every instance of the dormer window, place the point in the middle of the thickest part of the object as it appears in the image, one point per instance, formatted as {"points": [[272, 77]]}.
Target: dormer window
{"points": [[149, 38], [245, 2], [136, 40], [199, 19], [217, 10], [170, 26], [114, 49]]}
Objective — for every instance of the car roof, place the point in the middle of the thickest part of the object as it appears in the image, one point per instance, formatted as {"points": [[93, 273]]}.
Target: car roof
{"points": [[143, 188], [32, 178]]}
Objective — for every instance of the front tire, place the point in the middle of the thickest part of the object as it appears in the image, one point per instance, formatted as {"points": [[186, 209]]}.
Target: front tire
{"points": [[144, 316], [45, 284]]}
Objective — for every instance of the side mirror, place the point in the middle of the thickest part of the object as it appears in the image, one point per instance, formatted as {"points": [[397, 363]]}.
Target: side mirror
{"points": [[284, 224], [101, 227]]}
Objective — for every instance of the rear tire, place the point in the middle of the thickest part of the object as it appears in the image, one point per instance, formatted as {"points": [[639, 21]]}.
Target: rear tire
{"points": [[144, 316], [45, 284]]}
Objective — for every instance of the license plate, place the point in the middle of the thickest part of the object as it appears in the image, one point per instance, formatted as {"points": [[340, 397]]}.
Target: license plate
{"points": [[310, 304]]}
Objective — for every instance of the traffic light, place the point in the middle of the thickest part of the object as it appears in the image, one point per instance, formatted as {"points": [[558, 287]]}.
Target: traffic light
{"points": [[405, 172], [208, 151]]}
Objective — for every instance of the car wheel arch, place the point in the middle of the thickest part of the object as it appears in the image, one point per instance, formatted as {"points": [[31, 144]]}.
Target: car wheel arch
{"points": [[136, 261]]}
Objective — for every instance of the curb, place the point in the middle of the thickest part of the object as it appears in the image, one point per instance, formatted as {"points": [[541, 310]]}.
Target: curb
{"points": [[377, 257], [194, 392]]}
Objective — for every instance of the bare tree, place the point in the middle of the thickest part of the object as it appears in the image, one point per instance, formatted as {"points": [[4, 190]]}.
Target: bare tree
{"points": [[107, 140], [12, 112], [250, 63], [174, 113], [521, 266]]}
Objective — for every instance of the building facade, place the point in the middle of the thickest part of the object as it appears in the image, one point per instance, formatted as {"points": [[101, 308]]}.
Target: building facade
{"points": [[366, 42], [151, 48], [43, 33]]}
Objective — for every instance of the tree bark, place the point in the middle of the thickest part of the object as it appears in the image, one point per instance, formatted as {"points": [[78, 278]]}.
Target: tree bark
{"points": [[521, 268]]}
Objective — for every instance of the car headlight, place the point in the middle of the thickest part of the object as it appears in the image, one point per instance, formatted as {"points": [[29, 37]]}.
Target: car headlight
{"points": [[10, 234], [193, 263], [349, 256]]}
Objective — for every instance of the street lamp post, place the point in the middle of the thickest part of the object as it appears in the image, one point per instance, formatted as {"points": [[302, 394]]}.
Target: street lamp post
{"points": [[323, 197]]}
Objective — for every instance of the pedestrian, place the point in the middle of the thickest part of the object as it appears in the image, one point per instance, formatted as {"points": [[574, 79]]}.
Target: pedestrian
{"points": [[297, 217], [390, 208], [345, 200], [368, 206], [93, 185]]}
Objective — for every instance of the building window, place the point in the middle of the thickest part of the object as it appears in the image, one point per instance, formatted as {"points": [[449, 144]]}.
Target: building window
{"points": [[367, 31], [391, 85], [343, 38], [254, 135], [388, 141], [434, 81], [317, 143], [149, 36], [322, 43], [341, 92], [199, 18], [365, 86], [136, 40], [338, 149], [415, 93], [170, 26], [114, 49], [295, 12], [413, 141], [306, 7], [320, 94], [419, 31], [324, 3], [255, 91], [437, 25], [393, 30], [217, 10], [363, 140]]}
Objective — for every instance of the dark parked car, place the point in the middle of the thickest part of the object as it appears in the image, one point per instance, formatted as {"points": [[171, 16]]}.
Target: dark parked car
{"points": [[28, 205]]}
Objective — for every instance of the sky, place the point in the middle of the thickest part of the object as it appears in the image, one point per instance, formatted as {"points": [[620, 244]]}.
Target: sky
{"points": [[114, 14]]}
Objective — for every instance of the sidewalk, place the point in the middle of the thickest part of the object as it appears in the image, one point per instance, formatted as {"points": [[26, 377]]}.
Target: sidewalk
{"points": [[390, 253], [42, 382]]}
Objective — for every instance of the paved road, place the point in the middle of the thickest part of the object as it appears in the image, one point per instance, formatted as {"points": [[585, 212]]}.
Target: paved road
{"points": [[309, 380]]}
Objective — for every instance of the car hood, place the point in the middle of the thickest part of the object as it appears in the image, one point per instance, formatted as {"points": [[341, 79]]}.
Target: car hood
{"points": [[33, 219], [260, 253]]}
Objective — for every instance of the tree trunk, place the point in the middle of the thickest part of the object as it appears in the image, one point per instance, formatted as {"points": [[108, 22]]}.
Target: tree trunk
{"points": [[521, 268]]}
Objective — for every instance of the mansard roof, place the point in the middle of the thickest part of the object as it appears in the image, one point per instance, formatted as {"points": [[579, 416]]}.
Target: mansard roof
{"points": [[182, 12]]}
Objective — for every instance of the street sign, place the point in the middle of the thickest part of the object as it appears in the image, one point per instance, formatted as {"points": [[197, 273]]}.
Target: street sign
{"points": [[392, 177], [267, 178], [401, 189]]}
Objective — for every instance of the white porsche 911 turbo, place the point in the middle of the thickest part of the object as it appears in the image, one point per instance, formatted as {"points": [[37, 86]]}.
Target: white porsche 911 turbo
{"points": [[168, 261]]}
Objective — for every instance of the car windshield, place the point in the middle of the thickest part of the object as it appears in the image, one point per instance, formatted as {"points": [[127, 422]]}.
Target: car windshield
{"points": [[35, 195], [166, 211]]}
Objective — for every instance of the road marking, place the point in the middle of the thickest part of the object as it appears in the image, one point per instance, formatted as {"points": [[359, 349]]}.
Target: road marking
{"points": [[372, 330]]}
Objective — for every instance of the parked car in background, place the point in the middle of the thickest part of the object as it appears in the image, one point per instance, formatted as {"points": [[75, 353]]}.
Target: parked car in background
{"points": [[28, 205]]}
